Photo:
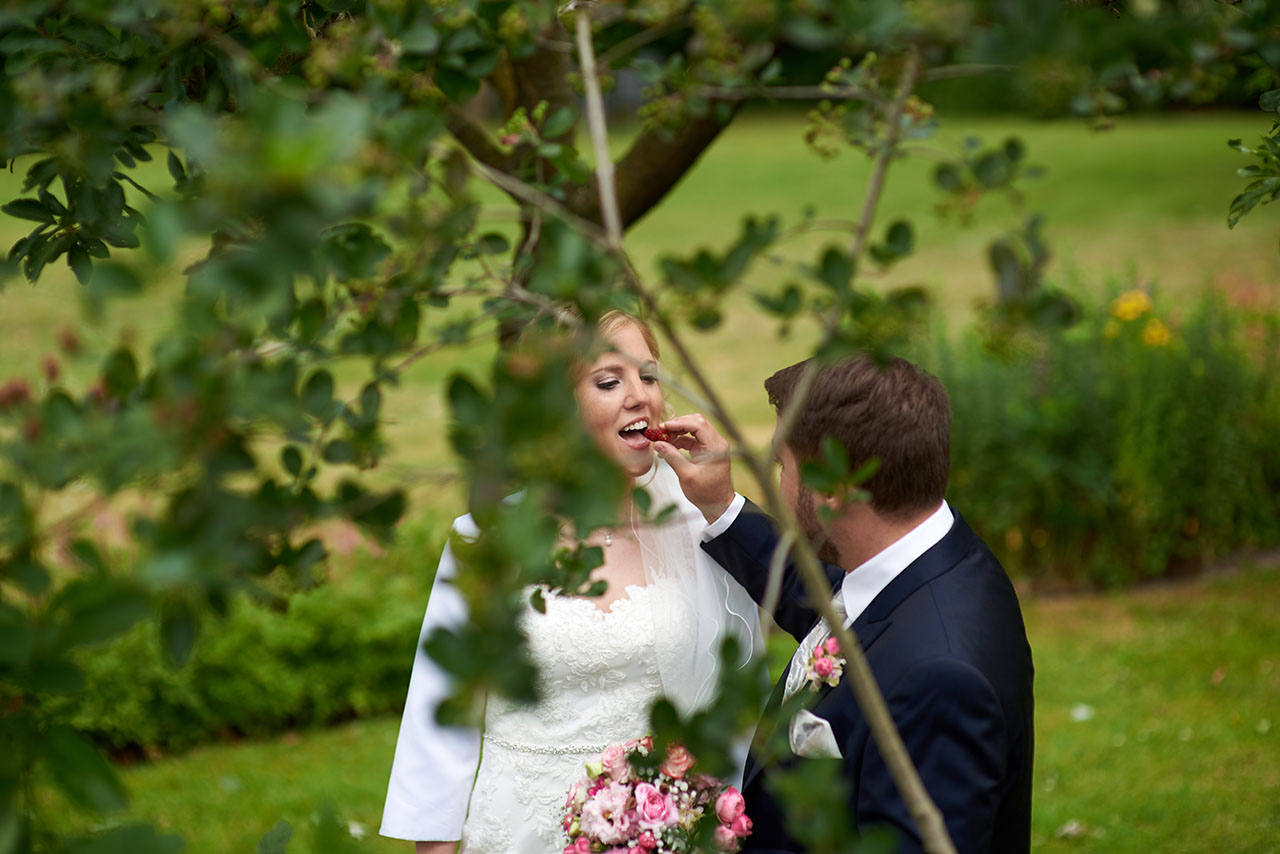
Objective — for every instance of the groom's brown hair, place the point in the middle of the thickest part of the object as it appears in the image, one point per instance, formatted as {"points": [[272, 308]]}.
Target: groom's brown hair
{"points": [[890, 410]]}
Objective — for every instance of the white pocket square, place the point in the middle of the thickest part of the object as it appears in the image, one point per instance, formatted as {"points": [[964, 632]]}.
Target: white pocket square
{"points": [[811, 736]]}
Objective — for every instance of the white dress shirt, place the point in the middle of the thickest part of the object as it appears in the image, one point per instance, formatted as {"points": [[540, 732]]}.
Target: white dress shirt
{"points": [[865, 582]]}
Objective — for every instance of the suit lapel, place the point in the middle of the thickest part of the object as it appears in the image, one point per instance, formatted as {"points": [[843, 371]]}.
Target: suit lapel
{"points": [[878, 616]]}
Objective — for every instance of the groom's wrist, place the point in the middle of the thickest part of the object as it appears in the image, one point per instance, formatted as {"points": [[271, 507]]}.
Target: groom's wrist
{"points": [[720, 515]]}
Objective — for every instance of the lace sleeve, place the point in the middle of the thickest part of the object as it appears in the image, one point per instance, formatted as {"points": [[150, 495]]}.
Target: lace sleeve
{"points": [[434, 766]]}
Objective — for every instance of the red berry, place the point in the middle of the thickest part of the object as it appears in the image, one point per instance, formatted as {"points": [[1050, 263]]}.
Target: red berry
{"points": [[656, 434]]}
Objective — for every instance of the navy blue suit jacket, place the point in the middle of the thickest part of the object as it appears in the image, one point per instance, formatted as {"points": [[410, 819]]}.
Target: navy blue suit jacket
{"points": [[947, 645]]}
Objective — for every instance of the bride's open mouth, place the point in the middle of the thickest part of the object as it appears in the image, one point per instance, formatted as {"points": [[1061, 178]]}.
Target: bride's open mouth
{"points": [[633, 434]]}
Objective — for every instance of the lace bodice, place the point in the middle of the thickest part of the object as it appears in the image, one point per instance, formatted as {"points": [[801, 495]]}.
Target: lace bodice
{"points": [[598, 676]]}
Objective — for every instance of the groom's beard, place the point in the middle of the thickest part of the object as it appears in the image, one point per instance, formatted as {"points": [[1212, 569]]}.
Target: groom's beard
{"points": [[813, 530]]}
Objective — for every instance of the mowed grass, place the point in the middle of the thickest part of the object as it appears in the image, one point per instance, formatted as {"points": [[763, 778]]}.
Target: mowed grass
{"points": [[1157, 729]]}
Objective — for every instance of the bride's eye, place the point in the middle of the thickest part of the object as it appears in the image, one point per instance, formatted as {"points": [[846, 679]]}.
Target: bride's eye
{"points": [[606, 385], [650, 378]]}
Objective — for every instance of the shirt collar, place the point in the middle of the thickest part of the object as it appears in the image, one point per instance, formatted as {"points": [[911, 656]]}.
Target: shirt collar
{"points": [[863, 584]]}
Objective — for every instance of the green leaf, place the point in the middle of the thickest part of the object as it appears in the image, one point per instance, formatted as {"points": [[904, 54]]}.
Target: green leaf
{"points": [[1014, 149], [993, 169], [560, 122], [120, 373], [422, 39], [947, 176], [317, 395], [95, 609], [1270, 100], [492, 243], [178, 630], [339, 451], [291, 458], [80, 771], [29, 209], [176, 171], [836, 270], [79, 262]]}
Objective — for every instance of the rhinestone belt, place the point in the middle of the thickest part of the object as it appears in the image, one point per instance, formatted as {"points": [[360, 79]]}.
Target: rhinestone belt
{"points": [[544, 751]]}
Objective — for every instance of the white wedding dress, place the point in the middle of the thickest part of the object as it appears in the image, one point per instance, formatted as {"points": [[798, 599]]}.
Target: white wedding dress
{"points": [[598, 677], [501, 789]]}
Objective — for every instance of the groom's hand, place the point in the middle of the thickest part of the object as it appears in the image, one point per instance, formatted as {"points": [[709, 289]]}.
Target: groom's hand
{"points": [[705, 475]]}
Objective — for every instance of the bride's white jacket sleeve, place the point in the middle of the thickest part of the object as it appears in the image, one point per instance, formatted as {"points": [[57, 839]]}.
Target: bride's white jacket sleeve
{"points": [[434, 766]]}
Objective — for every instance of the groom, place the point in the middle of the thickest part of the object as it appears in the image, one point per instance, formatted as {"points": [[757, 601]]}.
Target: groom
{"points": [[933, 609]]}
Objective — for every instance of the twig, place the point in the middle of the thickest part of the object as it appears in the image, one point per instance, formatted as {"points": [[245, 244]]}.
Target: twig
{"points": [[788, 93], [599, 133], [951, 72], [640, 39]]}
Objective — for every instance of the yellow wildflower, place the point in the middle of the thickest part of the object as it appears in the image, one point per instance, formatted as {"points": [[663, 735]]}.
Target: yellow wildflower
{"points": [[1156, 334], [1130, 305]]}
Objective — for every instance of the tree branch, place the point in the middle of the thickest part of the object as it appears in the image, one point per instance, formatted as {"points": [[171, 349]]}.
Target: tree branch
{"points": [[474, 138], [655, 162]]}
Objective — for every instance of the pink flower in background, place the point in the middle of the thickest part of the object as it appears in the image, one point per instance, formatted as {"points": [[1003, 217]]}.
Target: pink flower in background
{"points": [[741, 826], [730, 805], [678, 761], [582, 845], [647, 840], [654, 810], [823, 666], [831, 645]]}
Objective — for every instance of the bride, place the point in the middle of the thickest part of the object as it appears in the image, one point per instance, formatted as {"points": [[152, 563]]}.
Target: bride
{"points": [[656, 630]]}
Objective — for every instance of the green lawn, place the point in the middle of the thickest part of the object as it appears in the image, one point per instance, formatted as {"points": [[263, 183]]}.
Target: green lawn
{"points": [[1156, 730]]}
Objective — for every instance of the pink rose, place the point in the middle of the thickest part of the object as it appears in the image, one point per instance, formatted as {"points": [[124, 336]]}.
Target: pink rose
{"points": [[741, 826], [654, 810], [730, 805], [582, 845], [635, 849], [647, 840], [678, 761], [614, 760], [823, 666], [832, 646], [725, 840], [645, 744]]}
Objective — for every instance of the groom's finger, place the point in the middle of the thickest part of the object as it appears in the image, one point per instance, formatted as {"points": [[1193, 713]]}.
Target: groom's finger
{"points": [[678, 462], [705, 436]]}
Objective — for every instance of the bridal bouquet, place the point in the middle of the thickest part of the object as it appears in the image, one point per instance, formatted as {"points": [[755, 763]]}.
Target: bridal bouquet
{"points": [[617, 809]]}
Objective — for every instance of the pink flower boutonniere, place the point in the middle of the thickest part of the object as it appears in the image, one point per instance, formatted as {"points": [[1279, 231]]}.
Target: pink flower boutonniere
{"points": [[825, 666]]}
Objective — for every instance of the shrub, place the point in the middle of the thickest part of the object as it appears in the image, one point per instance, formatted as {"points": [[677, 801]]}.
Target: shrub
{"points": [[340, 650], [1129, 446]]}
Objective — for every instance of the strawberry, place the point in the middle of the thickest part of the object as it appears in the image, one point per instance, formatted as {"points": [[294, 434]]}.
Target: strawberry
{"points": [[656, 434]]}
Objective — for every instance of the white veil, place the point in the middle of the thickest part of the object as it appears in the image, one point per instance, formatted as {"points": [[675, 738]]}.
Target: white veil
{"points": [[684, 581]]}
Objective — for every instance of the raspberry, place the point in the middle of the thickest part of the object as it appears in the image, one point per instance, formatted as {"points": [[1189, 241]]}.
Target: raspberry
{"points": [[656, 434]]}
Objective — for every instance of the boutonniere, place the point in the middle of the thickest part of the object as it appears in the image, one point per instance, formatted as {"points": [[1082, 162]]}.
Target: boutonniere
{"points": [[825, 666]]}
